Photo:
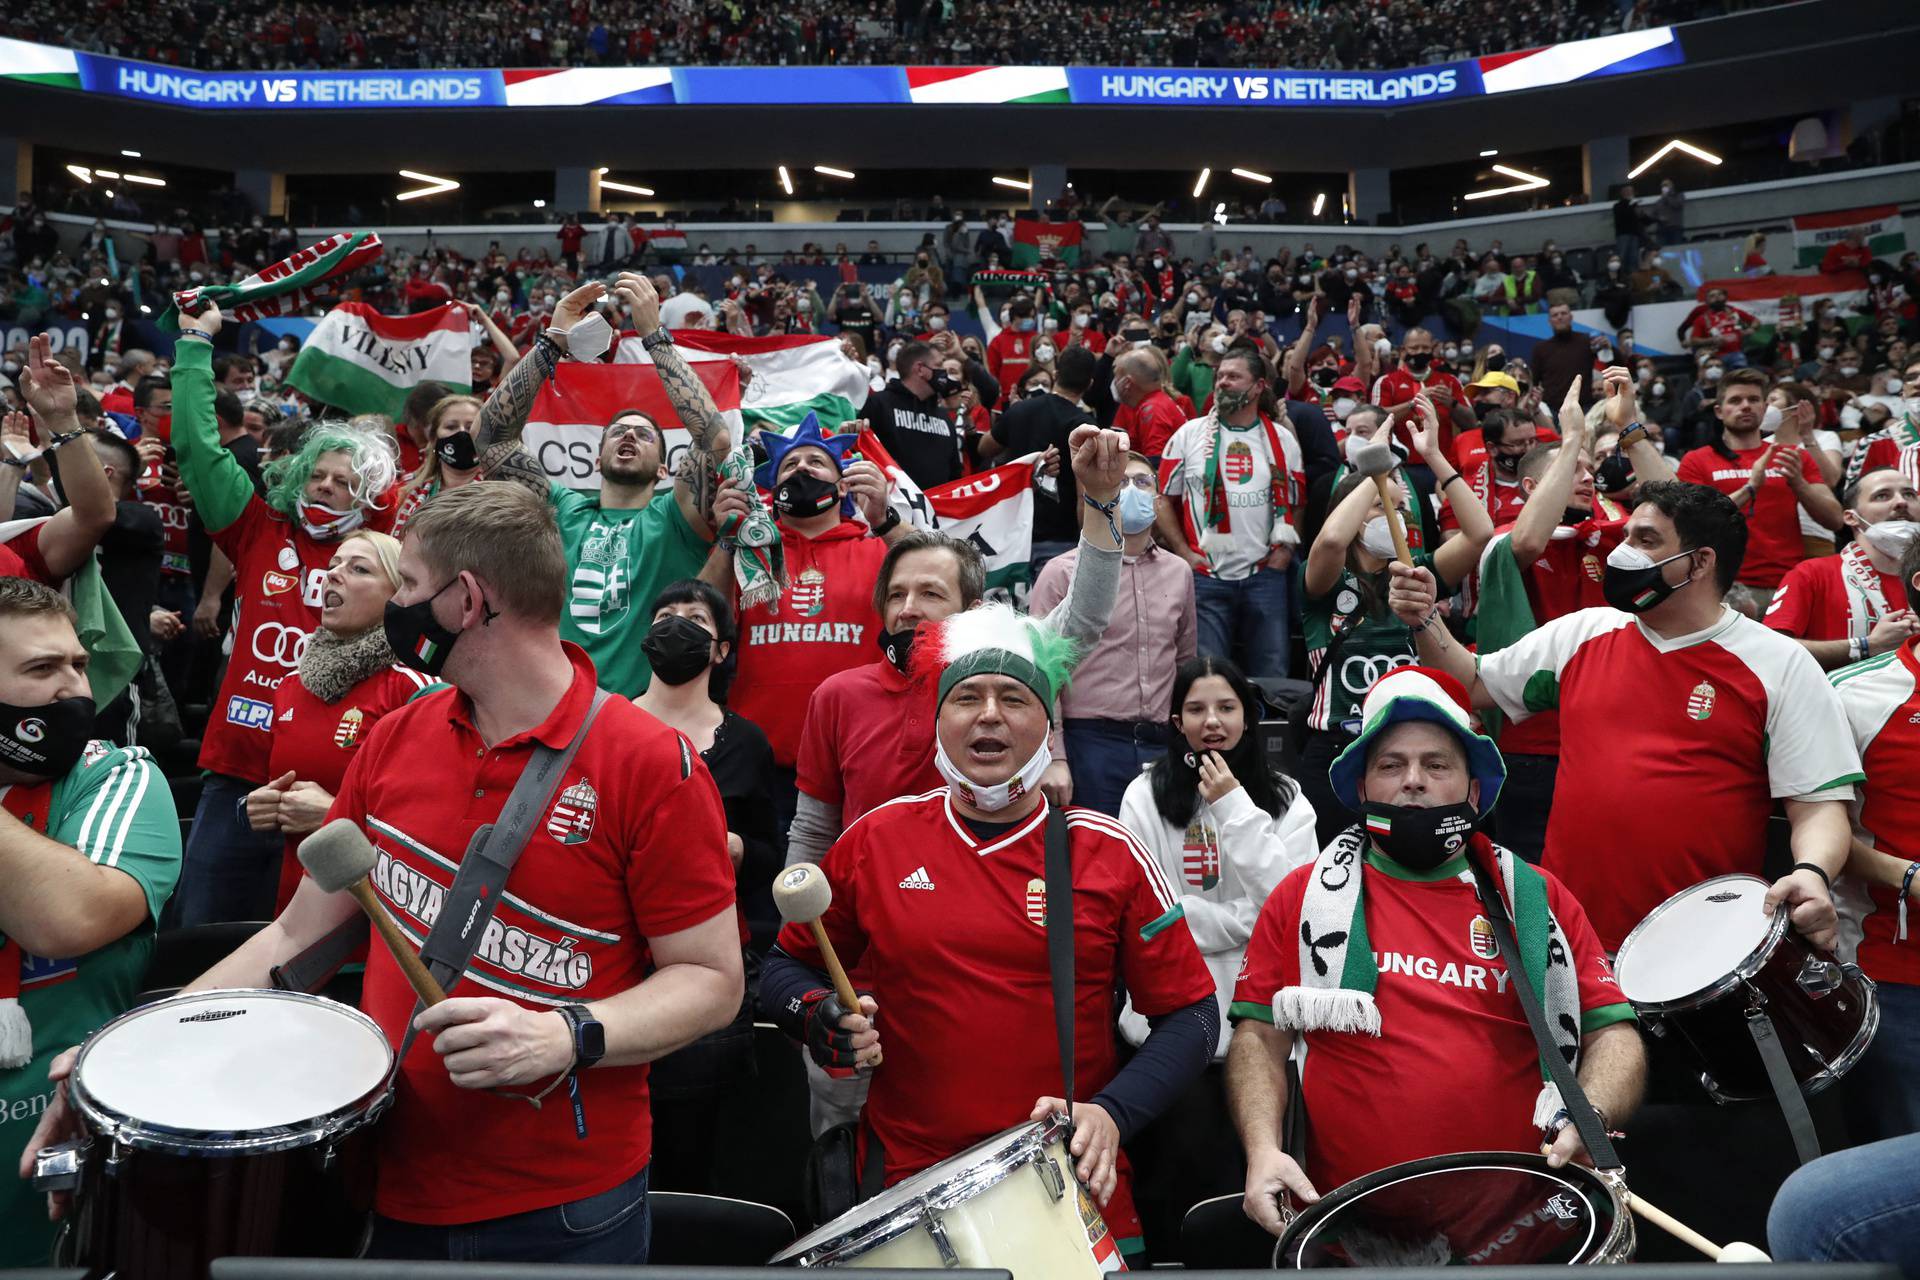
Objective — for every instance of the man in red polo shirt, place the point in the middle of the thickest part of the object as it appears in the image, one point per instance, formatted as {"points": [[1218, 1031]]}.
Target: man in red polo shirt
{"points": [[1395, 390], [1147, 413], [615, 940], [1851, 605], [1718, 328], [1769, 481]]}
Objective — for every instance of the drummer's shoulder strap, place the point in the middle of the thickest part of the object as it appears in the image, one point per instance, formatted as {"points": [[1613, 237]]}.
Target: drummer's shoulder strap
{"points": [[1059, 869], [470, 901]]}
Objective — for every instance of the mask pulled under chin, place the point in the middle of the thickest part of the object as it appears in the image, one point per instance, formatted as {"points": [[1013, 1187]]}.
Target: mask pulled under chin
{"points": [[1419, 839], [327, 523], [994, 798], [897, 646], [45, 741]]}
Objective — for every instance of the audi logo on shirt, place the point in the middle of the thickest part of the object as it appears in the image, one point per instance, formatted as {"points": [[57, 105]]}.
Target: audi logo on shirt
{"points": [[279, 643]]}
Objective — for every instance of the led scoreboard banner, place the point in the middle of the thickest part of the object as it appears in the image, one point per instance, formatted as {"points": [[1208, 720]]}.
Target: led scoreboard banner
{"points": [[835, 86]]}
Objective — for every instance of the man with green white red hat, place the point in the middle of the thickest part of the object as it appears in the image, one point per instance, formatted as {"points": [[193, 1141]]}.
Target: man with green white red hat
{"points": [[942, 897], [1380, 956]]}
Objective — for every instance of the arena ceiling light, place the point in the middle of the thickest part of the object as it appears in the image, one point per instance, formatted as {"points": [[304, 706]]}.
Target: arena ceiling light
{"points": [[131, 155], [832, 172], [81, 172], [438, 185], [105, 173], [607, 184], [1319, 203], [145, 181], [1015, 183], [1673, 145], [1524, 182], [1201, 184], [1490, 151], [786, 180], [1251, 176]]}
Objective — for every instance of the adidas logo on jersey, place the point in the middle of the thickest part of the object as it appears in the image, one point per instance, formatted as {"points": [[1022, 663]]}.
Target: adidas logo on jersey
{"points": [[918, 880]]}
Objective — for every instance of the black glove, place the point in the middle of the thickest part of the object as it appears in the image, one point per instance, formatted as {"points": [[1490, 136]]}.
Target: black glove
{"points": [[829, 1045]]}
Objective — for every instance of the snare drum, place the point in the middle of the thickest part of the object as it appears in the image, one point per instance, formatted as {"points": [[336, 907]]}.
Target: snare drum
{"points": [[1011, 1201], [1709, 958], [221, 1123], [1474, 1208]]}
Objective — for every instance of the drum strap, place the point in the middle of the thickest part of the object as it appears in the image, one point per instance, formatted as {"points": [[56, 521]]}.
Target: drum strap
{"points": [[1793, 1103], [1060, 947], [1572, 1096], [482, 878]]}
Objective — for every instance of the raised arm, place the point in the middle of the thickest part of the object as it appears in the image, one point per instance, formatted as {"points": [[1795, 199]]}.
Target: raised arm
{"points": [[1623, 410], [66, 541], [1456, 557], [697, 412], [1296, 366], [1541, 516], [218, 484], [502, 344], [504, 416]]}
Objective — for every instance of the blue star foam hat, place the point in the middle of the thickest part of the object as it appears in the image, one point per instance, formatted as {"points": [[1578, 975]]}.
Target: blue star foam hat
{"points": [[807, 433]]}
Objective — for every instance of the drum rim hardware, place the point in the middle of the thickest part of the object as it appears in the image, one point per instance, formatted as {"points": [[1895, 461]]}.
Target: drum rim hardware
{"points": [[1618, 1245], [1030, 1147], [129, 1131]]}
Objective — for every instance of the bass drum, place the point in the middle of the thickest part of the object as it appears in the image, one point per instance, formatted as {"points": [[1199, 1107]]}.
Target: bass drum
{"points": [[220, 1123], [1474, 1208], [1012, 1201]]}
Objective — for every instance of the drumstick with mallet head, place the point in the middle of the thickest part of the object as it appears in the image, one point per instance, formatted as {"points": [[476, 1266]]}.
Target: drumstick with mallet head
{"points": [[1734, 1251], [1377, 458], [802, 893], [339, 858]]}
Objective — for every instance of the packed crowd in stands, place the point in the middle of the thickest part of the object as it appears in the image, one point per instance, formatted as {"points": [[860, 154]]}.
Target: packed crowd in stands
{"points": [[1329, 34], [1270, 496]]}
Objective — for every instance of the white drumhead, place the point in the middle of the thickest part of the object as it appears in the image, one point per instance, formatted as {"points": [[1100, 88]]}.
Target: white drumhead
{"points": [[234, 1061], [1693, 940], [902, 1194]]}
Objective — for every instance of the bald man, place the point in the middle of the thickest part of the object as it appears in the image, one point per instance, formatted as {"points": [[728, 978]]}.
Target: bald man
{"points": [[1147, 413]]}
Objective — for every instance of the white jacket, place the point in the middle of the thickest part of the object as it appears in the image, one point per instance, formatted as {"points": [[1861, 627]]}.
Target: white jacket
{"points": [[1242, 852]]}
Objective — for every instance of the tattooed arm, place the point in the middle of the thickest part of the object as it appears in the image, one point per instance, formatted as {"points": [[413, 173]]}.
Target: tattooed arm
{"points": [[504, 416], [695, 487]]}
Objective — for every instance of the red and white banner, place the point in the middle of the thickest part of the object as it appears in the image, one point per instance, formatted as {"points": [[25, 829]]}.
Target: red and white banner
{"points": [[575, 405]]}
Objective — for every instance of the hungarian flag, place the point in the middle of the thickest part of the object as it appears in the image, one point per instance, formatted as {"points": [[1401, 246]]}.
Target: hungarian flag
{"points": [[668, 239], [1815, 233], [789, 376], [286, 287], [1036, 241], [576, 403], [360, 361], [1773, 300], [991, 509]]}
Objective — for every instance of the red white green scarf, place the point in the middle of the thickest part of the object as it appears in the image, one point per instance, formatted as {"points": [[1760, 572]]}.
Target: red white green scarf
{"points": [[1866, 601], [1282, 490]]}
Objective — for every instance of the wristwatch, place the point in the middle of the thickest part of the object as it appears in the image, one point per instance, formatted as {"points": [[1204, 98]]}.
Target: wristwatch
{"points": [[657, 339], [589, 1035], [1628, 437], [887, 525]]}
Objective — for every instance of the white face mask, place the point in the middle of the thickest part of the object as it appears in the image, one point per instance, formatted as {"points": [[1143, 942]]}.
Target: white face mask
{"points": [[1894, 385], [1848, 370], [1659, 388], [1604, 355], [1382, 348], [992, 799], [1891, 538], [1043, 353], [1770, 420], [936, 323], [590, 338], [1218, 345], [1116, 387], [245, 395], [1377, 538], [1342, 407]]}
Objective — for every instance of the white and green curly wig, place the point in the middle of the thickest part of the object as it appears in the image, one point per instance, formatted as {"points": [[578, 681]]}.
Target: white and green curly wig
{"points": [[993, 639]]}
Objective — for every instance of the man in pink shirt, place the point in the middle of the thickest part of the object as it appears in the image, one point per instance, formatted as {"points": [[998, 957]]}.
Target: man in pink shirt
{"points": [[1114, 715]]}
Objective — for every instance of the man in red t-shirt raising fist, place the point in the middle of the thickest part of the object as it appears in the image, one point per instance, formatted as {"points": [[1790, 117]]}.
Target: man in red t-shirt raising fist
{"points": [[1768, 481]]}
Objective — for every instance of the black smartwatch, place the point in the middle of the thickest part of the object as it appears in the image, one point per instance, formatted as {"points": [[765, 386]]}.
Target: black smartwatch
{"points": [[589, 1035], [887, 523]]}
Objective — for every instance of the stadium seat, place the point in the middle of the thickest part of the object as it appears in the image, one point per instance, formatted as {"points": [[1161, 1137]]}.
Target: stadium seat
{"points": [[181, 955], [715, 1231], [1217, 1233]]}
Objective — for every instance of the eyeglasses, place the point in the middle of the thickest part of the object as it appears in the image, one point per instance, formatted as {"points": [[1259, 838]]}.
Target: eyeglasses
{"points": [[1141, 482], [638, 430]]}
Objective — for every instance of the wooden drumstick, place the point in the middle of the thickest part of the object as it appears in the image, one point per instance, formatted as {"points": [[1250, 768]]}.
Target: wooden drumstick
{"points": [[803, 894], [1735, 1251], [1377, 459]]}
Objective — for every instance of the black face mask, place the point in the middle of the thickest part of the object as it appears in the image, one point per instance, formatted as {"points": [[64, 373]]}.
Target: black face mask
{"points": [[1324, 377], [1638, 590], [45, 741], [678, 648], [1507, 463], [1495, 363], [417, 638], [1419, 839], [1419, 361], [898, 646], [1614, 473], [804, 494], [458, 452]]}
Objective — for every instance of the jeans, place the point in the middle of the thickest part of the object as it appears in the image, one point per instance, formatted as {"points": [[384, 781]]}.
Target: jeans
{"points": [[1883, 1092], [613, 1227], [1105, 756], [1858, 1205], [231, 871], [1627, 245], [1520, 815], [1330, 817], [1248, 620]]}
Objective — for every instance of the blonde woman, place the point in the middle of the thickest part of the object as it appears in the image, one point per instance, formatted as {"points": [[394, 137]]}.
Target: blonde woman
{"points": [[451, 458], [346, 680]]}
